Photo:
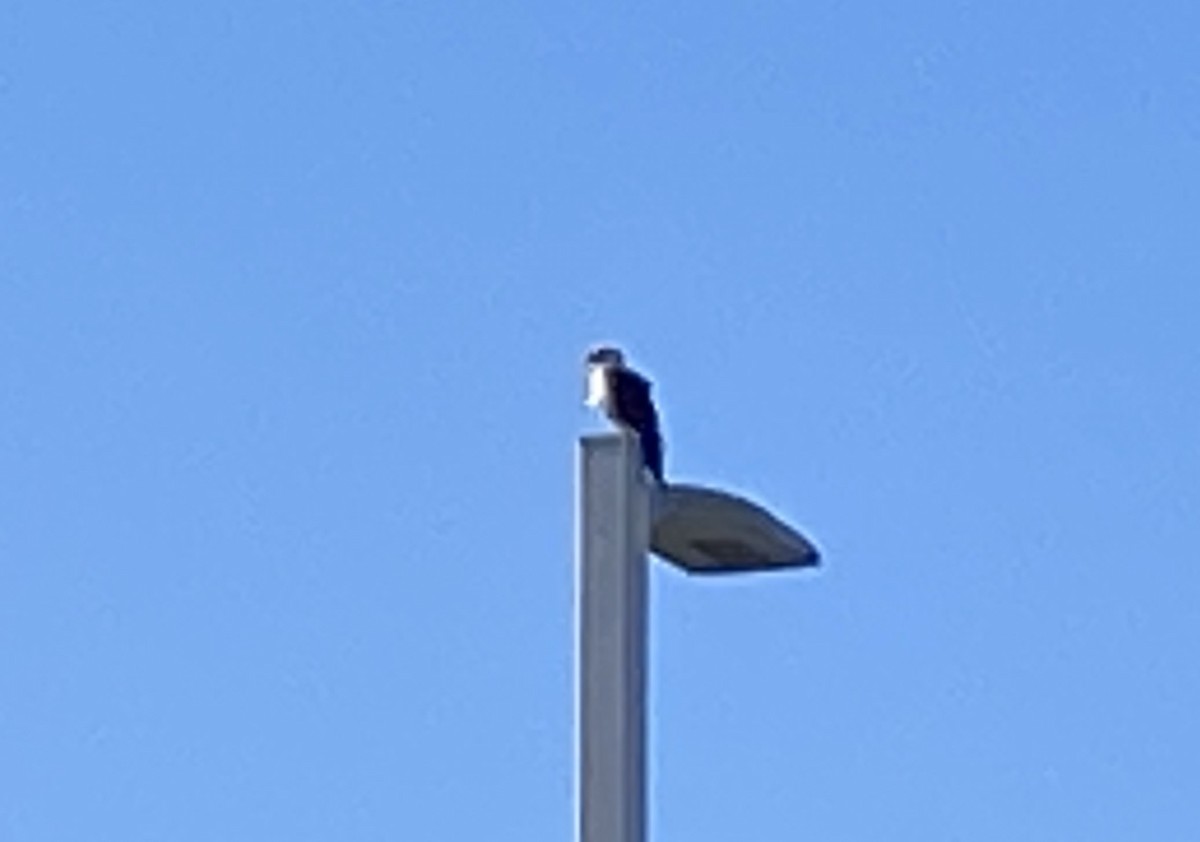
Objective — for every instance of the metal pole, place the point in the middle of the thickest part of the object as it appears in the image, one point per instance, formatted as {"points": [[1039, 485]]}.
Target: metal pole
{"points": [[613, 533]]}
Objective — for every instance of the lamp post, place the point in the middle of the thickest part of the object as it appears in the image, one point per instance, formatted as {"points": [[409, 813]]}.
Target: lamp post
{"points": [[619, 519]]}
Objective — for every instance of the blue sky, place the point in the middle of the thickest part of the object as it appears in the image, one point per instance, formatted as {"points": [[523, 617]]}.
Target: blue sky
{"points": [[294, 298]]}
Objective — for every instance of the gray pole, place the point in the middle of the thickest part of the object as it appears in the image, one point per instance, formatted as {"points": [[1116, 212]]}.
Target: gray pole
{"points": [[612, 541]]}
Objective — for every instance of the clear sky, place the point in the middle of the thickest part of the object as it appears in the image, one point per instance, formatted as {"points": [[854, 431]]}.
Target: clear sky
{"points": [[293, 302]]}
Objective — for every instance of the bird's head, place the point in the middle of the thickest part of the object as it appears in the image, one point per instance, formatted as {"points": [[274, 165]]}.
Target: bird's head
{"points": [[605, 355]]}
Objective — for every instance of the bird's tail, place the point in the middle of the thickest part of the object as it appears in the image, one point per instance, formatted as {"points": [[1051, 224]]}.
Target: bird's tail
{"points": [[652, 456]]}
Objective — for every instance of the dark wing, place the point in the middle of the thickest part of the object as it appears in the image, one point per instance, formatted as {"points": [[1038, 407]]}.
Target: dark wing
{"points": [[631, 393]]}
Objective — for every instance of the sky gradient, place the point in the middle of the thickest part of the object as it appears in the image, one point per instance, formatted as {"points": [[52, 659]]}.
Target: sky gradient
{"points": [[293, 304]]}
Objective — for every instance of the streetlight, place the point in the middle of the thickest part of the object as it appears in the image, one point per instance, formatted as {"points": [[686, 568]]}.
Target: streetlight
{"points": [[619, 519]]}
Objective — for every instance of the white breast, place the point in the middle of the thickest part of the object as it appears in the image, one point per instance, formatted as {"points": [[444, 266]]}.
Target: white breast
{"points": [[597, 386]]}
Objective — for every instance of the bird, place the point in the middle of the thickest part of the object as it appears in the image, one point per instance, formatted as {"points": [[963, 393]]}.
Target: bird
{"points": [[624, 396]]}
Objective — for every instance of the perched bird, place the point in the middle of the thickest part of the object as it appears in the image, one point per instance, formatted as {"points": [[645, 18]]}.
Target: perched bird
{"points": [[624, 396]]}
